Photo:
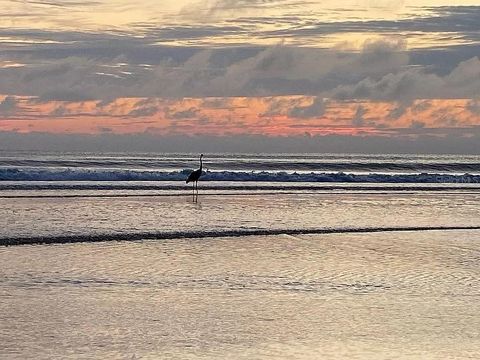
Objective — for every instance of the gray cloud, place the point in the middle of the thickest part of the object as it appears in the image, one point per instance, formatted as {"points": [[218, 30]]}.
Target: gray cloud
{"points": [[59, 111], [454, 22], [462, 21], [314, 110], [358, 119], [474, 106], [143, 111], [381, 70], [451, 141], [8, 105], [417, 124], [400, 109], [190, 113], [64, 94], [407, 84]]}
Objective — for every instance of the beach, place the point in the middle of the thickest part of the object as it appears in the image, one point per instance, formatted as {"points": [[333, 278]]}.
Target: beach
{"points": [[386, 295], [250, 179]]}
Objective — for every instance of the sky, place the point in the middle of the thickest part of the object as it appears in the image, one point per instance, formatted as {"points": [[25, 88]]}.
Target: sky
{"points": [[241, 75]]}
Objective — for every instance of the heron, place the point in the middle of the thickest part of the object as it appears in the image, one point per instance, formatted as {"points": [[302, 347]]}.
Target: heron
{"points": [[194, 176]]}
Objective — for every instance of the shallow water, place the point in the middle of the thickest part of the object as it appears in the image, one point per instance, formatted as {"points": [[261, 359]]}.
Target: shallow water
{"points": [[225, 212], [388, 294], [396, 295]]}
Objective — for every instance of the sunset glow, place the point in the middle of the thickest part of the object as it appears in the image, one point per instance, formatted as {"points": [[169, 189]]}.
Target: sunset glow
{"points": [[223, 68]]}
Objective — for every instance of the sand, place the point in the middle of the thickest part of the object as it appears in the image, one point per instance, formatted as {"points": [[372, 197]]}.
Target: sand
{"points": [[405, 295]]}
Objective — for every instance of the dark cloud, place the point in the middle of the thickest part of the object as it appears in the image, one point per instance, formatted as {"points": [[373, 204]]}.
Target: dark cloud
{"points": [[408, 84], [76, 65], [456, 21], [190, 113], [474, 106], [358, 119], [8, 105], [59, 111], [400, 109], [216, 103], [417, 124], [315, 110], [382, 70], [421, 106], [63, 94], [142, 108], [143, 111]]}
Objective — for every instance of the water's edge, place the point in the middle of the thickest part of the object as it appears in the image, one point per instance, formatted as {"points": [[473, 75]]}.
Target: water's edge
{"points": [[156, 235]]}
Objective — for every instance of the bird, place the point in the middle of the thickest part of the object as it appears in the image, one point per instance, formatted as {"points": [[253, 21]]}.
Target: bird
{"points": [[195, 175]]}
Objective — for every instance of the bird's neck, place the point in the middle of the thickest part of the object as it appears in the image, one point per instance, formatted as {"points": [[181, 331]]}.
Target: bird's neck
{"points": [[201, 163]]}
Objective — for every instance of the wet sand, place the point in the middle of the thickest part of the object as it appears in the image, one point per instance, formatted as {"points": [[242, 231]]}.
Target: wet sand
{"points": [[406, 295]]}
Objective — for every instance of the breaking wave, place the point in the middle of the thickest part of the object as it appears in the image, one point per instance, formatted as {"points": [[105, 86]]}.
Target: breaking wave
{"points": [[85, 174], [260, 162]]}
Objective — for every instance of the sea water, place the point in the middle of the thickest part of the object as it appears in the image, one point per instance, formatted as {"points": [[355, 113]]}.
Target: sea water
{"points": [[278, 256]]}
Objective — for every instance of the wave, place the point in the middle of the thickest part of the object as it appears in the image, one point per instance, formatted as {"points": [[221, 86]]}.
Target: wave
{"points": [[214, 190], [251, 164], [245, 162], [82, 174], [136, 236]]}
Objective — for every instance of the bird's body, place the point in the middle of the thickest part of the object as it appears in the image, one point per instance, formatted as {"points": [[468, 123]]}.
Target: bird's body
{"points": [[194, 176]]}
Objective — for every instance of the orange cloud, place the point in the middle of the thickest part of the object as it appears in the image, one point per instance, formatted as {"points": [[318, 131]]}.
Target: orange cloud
{"points": [[274, 116]]}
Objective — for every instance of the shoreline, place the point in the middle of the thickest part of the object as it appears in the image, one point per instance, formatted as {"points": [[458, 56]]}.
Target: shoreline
{"points": [[90, 238]]}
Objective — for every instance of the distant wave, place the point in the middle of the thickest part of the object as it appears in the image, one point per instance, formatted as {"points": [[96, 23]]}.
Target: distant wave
{"points": [[135, 236], [216, 189], [255, 164], [83, 174]]}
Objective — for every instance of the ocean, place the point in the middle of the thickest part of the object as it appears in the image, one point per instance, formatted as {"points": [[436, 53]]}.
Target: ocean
{"points": [[112, 255]]}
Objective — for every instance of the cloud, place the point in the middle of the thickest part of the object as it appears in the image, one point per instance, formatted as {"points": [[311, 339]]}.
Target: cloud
{"points": [[400, 109], [143, 108], [474, 106], [211, 9], [61, 3], [417, 124], [235, 22], [408, 84], [381, 70], [315, 110], [456, 21], [282, 70], [63, 94], [143, 111], [358, 119], [216, 103], [59, 111], [8, 105], [190, 113]]}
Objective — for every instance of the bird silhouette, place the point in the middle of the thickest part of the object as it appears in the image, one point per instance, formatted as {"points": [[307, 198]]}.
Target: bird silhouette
{"points": [[194, 176]]}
